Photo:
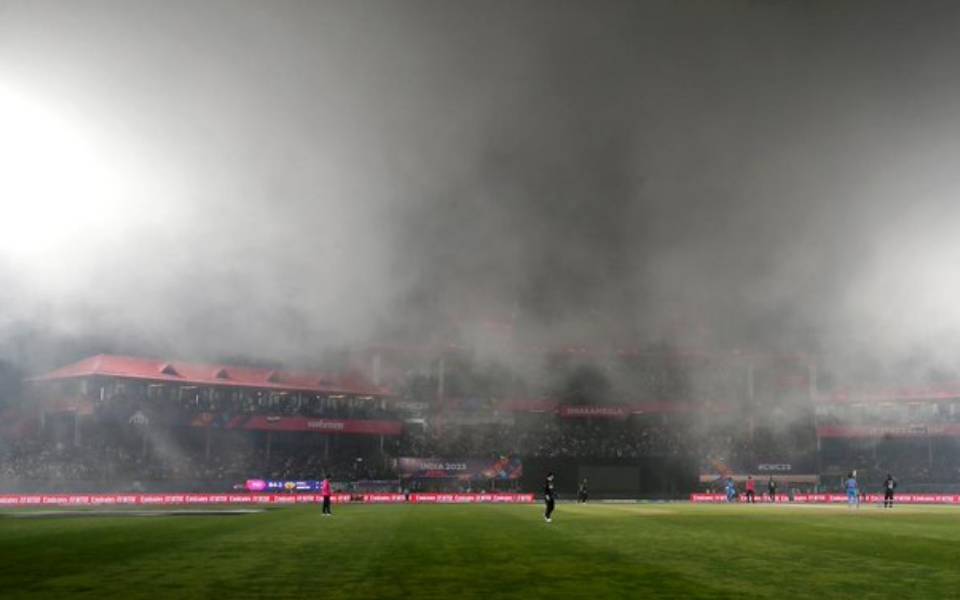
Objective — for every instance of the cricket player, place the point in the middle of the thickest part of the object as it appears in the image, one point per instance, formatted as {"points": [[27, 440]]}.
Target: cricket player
{"points": [[549, 498], [853, 497], [325, 492]]}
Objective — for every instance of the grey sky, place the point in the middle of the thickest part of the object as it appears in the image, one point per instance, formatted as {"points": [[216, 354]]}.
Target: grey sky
{"points": [[723, 174]]}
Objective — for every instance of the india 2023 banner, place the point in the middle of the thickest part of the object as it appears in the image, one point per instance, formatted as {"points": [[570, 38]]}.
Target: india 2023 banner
{"points": [[504, 468]]}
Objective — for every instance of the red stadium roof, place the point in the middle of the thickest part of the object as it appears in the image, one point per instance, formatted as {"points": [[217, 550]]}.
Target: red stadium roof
{"points": [[146, 369]]}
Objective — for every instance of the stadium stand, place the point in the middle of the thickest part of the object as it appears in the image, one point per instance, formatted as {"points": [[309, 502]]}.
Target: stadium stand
{"points": [[130, 423]]}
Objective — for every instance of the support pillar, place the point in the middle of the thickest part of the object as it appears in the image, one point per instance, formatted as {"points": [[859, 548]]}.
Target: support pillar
{"points": [[812, 382], [76, 430], [441, 380], [375, 368]]}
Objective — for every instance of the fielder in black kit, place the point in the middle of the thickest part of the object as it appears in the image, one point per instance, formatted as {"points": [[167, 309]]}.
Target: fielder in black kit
{"points": [[549, 498], [889, 485]]}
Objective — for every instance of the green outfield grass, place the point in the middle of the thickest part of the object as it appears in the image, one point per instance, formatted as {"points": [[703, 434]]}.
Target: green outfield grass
{"points": [[592, 551]]}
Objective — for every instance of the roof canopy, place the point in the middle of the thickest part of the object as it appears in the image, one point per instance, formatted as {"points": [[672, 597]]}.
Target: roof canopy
{"points": [[146, 369]]}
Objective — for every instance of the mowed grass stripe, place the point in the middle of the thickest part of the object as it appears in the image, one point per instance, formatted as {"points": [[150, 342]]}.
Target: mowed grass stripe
{"points": [[596, 551], [656, 555], [127, 556], [37, 551], [821, 553]]}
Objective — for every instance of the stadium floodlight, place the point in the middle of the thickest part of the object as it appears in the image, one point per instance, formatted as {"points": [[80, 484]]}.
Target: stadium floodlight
{"points": [[65, 185]]}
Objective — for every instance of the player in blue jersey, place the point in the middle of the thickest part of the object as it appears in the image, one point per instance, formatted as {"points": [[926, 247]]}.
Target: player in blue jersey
{"points": [[731, 490], [853, 497]]}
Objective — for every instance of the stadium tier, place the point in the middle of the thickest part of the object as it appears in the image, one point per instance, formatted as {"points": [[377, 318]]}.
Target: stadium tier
{"points": [[636, 425]]}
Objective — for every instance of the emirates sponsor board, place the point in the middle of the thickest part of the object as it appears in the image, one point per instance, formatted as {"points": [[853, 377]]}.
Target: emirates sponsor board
{"points": [[384, 498], [720, 498], [472, 498], [833, 499], [13, 500]]}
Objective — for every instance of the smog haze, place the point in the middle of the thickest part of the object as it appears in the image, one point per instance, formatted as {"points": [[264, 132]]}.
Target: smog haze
{"points": [[277, 179]]}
